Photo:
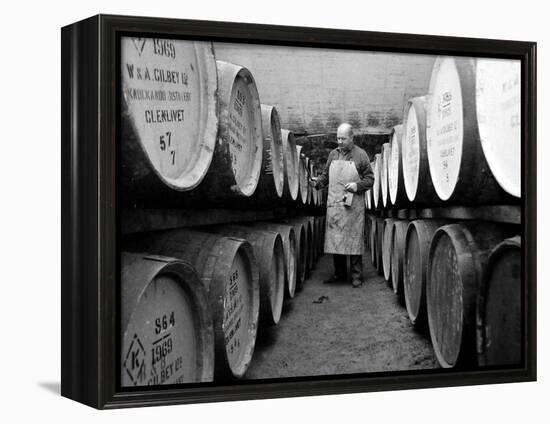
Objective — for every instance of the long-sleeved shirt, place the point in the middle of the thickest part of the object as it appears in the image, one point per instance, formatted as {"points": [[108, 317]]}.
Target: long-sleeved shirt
{"points": [[362, 163]]}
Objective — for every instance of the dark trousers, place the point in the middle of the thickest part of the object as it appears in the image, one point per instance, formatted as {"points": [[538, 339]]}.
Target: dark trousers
{"points": [[356, 266]]}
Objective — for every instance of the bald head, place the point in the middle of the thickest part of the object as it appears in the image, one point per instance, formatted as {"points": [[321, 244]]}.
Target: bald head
{"points": [[344, 136], [345, 129]]}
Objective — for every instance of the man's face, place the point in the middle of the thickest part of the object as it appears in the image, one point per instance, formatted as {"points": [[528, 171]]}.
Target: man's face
{"points": [[344, 140]]}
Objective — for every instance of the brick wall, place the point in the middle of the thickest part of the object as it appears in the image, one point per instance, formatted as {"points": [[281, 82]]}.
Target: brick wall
{"points": [[317, 89]]}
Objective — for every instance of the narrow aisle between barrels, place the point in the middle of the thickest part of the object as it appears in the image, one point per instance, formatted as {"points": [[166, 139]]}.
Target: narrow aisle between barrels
{"points": [[336, 329]]}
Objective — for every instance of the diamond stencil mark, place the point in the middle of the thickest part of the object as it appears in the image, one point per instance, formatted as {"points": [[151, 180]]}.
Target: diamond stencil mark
{"points": [[139, 44], [134, 363]]}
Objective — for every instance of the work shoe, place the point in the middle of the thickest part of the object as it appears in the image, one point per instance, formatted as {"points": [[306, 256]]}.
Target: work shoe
{"points": [[356, 283], [333, 279]]}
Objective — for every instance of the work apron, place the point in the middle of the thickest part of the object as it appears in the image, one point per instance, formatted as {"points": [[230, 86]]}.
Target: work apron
{"points": [[344, 224]]}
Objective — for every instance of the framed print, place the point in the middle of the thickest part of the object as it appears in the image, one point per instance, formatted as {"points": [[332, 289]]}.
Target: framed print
{"points": [[253, 211]]}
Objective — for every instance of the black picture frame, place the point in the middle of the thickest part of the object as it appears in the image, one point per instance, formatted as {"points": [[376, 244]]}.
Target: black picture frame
{"points": [[89, 219]]}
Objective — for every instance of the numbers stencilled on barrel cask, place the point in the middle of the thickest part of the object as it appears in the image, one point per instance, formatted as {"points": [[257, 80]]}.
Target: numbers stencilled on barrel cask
{"points": [[161, 349], [445, 127], [164, 48], [240, 132], [164, 323], [165, 144], [235, 321]]}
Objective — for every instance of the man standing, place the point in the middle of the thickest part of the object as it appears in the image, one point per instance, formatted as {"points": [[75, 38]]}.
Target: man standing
{"points": [[348, 174]]}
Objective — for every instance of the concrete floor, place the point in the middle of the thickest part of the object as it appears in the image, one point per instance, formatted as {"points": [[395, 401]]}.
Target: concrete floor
{"points": [[336, 329]]}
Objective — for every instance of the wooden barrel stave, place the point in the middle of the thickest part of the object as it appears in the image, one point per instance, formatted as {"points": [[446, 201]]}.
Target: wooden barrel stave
{"points": [[399, 230], [302, 177], [379, 239], [373, 237], [291, 184], [271, 181], [416, 171], [386, 248], [320, 240], [376, 188], [308, 231], [499, 310], [384, 189], [396, 184], [314, 235]]}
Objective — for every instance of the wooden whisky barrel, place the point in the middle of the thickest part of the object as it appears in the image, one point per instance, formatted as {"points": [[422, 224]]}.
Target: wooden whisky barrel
{"points": [[271, 180], [269, 252], [499, 307], [498, 113], [168, 116], [384, 174], [314, 240], [166, 327], [308, 241], [457, 260], [459, 170], [228, 270], [371, 200], [289, 246], [376, 188], [302, 177], [386, 247], [375, 193], [301, 249], [312, 191], [399, 230], [309, 201], [379, 238], [417, 247], [396, 185], [416, 170], [320, 238], [291, 175], [372, 242], [237, 161], [369, 223], [316, 235]]}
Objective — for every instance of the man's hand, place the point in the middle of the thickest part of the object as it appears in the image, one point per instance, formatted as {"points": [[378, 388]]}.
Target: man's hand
{"points": [[313, 181], [351, 187]]}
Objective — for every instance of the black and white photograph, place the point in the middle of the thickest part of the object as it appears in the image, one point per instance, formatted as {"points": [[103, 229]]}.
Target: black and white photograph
{"points": [[280, 212], [292, 212]]}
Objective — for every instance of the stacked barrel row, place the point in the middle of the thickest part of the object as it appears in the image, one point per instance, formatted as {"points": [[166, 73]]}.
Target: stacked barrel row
{"points": [[458, 145], [459, 280], [193, 301], [195, 134]]}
